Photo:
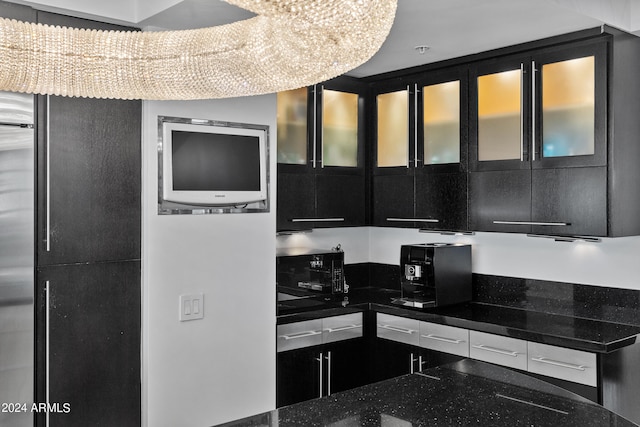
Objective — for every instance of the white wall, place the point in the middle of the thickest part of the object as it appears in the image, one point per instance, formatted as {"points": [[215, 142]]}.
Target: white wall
{"points": [[119, 10], [612, 262], [204, 372]]}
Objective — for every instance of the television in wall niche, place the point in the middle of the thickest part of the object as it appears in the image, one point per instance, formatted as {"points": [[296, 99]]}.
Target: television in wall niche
{"points": [[209, 166]]}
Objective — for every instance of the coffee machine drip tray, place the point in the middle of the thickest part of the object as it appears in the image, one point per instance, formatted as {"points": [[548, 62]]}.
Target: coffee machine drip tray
{"points": [[410, 302]]}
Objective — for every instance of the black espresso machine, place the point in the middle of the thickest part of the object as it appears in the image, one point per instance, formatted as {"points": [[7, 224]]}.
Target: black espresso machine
{"points": [[435, 274]]}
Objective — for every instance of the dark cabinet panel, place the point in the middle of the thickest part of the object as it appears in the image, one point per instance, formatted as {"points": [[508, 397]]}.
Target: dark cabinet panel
{"points": [[442, 197], [296, 201], [327, 188], [575, 196], [89, 188], [342, 198], [348, 365], [298, 375], [93, 342], [500, 200], [393, 197], [318, 371], [393, 359]]}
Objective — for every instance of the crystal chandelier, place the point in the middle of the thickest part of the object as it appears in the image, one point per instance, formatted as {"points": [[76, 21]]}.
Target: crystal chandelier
{"points": [[289, 44]]}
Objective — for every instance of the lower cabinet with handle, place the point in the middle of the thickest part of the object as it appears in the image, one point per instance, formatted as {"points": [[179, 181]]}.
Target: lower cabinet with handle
{"points": [[319, 357], [404, 346]]}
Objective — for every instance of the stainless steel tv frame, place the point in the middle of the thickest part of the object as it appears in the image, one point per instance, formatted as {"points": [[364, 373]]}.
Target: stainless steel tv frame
{"points": [[166, 207]]}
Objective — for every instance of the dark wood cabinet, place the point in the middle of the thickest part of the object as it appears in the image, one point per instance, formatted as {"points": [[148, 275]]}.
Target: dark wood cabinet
{"points": [[393, 200], [329, 179], [500, 201], [90, 335], [393, 359], [420, 151], [538, 141], [89, 185], [318, 371], [298, 376], [88, 251]]}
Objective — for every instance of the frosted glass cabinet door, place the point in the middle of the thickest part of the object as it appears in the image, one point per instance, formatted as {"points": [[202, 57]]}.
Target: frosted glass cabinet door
{"points": [[292, 126], [393, 129], [339, 128], [441, 118], [500, 116], [568, 108]]}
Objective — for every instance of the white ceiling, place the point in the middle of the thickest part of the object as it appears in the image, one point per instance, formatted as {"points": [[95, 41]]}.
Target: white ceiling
{"points": [[451, 28]]}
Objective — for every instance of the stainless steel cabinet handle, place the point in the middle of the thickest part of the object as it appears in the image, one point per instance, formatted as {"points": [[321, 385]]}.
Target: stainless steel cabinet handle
{"points": [[521, 112], [320, 360], [415, 126], [496, 350], [315, 114], [300, 335], [47, 350], [443, 339], [317, 220], [532, 223], [397, 329], [412, 220], [328, 357], [558, 363], [48, 180], [343, 328], [411, 361], [533, 110]]}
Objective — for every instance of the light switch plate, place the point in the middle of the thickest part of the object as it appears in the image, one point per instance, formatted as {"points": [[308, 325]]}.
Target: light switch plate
{"points": [[191, 307]]}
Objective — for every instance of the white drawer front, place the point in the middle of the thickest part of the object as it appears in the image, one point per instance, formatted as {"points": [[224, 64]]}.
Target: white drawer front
{"points": [[563, 363], [398, 329], [299, 335], [447, 339], [497, 349], [339, 328]]}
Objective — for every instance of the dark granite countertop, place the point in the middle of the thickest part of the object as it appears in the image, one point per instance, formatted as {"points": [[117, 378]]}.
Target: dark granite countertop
{"points": [[554, 329], [467, 393]]}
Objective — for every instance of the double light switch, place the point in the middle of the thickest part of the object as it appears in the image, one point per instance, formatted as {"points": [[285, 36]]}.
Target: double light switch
{"points": [[191, 307]]}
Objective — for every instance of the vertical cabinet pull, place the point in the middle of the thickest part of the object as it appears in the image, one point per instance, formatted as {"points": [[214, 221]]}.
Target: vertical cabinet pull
{"points": [[533, 110], [328, 357], [415, 126], [319, 359], [314, 139], [47, 349], [521, 112], [48, 179]]}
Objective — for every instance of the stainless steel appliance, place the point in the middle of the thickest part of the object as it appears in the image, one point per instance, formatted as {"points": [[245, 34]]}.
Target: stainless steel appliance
{"points": [[310, 271], [435, 274], [16, 257]]}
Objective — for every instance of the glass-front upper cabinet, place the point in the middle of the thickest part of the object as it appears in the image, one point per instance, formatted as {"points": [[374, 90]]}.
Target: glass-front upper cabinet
{"points": [[441, 122], [392, 129], [292, 120], [319, 127], [543, 110], [420, 125]]}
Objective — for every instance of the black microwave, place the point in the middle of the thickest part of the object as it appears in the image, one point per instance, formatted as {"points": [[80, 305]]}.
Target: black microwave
{"points": [[307, 272]]}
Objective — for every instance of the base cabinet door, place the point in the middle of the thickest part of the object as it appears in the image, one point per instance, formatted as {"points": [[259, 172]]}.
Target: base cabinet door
{"points": [[88, 320], [346, 365], [298, 375]]}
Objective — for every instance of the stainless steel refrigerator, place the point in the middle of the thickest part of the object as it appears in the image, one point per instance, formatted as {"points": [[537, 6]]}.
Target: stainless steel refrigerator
{"points": [[17, 142]]}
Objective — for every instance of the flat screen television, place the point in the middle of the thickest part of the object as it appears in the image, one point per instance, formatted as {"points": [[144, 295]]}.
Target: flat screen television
{"points": [[210, 163]]}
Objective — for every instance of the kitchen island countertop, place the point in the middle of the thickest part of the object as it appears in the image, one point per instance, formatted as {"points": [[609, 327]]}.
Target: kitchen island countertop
{"points": [[466, 393]]}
